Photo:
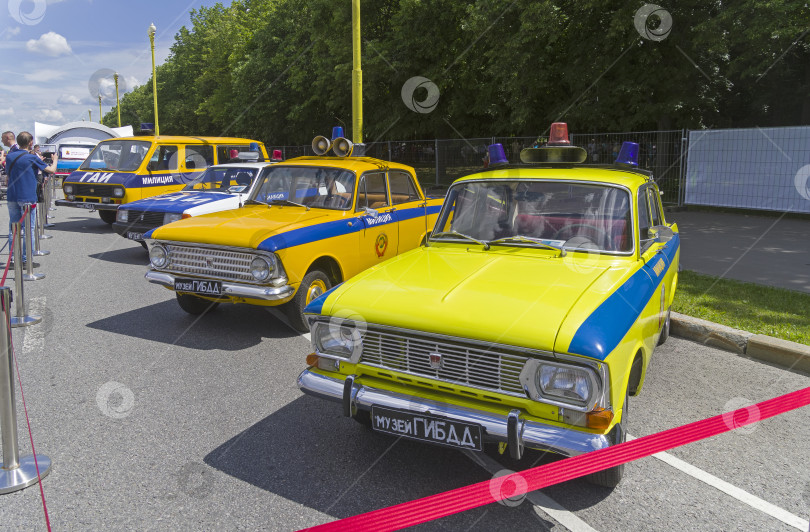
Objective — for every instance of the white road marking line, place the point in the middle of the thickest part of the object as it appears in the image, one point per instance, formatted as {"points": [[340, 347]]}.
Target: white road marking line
{"points": [[34, 339], [542, 503], [738, 493]]}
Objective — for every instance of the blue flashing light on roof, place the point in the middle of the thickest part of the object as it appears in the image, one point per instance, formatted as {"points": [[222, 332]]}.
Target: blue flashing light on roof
{"points": [[337, 132], [254, 146], [496, 155], [628, 155]]}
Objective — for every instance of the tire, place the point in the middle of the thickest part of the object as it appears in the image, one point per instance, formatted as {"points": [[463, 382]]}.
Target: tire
{"points": [[312, 285], [108, 217], [195, 305], [610, 478], [664, 330]]}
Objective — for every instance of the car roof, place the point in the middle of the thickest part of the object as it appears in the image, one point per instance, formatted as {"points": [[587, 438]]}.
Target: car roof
{"points": [[243, 165], [603, 174], [355, 164], [164, 139]]}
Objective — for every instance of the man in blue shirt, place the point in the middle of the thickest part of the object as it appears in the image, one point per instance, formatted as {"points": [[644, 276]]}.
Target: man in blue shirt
{"points": [[22, 168]]}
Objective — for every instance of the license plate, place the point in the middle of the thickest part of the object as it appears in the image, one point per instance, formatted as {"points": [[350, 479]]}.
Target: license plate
{"points": [[134, 236], [196, 286], [426, 427], [88, 206]]}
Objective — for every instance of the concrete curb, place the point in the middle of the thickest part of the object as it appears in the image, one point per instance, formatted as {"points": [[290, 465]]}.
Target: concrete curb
{"points": [[774, 350]]}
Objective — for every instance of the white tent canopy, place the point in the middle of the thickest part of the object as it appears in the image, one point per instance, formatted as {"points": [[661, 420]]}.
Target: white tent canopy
{"points": [[77, 132]]}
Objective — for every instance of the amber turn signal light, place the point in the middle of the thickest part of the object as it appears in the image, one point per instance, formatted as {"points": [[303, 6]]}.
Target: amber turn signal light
{"points": [[599, 419], [312, 359]]}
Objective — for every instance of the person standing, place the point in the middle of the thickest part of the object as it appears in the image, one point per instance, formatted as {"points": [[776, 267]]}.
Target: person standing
{"points": [[22, 168]]}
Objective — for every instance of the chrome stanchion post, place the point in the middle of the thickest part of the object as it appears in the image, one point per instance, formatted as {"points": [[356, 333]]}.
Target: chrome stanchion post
{"points": [[15, 473], [21, 319], [39, 221], [28, 238], [50, 192]]}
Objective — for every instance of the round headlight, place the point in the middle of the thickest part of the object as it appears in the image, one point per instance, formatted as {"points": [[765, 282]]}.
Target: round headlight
{"points": [[343, 341], [122, 215], [158, 256], [68, 189], [260, 269], [118, 192]]}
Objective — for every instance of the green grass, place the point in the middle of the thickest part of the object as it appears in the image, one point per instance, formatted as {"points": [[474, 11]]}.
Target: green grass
{"points": [[750, 307]]}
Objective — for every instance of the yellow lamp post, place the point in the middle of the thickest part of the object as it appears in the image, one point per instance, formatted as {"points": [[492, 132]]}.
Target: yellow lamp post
{"points": [[152, 30], [100, 114], [117, 101], [89, 115], [357, 77]]}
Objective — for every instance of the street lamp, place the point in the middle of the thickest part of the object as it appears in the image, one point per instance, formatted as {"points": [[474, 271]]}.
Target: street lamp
{"points": [[89, 115], [152, 30], [117, 102], [100, 114]]}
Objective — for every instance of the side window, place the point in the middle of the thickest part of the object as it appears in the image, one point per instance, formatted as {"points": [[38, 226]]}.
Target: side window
{"points": [[198, 157], [643, 219], [227, 154], [164, 158], [402, 188], [371, 191], [655, 207]]}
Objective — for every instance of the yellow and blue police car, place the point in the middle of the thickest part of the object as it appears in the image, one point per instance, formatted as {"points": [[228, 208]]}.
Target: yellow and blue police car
{"points": [[126, 169], [527, 321], [309, 224]]}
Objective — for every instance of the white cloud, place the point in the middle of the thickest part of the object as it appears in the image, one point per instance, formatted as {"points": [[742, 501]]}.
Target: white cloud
{"points": [[44, 75], [13, 32], [68, 99], [50, 115], [51, 44], [9, 111]]}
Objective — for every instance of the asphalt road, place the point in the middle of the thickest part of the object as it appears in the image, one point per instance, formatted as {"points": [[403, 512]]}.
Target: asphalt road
{"points": [[157, 420]]}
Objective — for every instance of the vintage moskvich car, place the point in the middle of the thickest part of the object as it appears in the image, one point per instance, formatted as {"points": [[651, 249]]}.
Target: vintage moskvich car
{"points": [[337, 217], [526, 321], [220, 188], [125, 169]]}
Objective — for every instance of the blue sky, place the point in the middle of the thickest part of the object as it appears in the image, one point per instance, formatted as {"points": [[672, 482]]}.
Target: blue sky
{"points": [[52, 48]]}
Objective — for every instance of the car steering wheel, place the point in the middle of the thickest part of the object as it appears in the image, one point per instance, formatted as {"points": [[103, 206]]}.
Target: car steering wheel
{"points": [[598, 231]]}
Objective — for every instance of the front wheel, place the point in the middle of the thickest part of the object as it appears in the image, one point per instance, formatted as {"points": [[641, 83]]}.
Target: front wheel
{"points": [[108, 217], [664, 330], [195, 305], [313, 285], [610, 478]]}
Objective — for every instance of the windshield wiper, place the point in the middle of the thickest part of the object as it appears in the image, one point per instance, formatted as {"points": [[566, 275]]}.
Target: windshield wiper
{"points": [[462, 235], [250, 201], [288, 202], [529, 239]]}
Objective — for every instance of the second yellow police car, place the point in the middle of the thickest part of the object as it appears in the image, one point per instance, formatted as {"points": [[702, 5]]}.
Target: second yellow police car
{"points": [[311, 223]]}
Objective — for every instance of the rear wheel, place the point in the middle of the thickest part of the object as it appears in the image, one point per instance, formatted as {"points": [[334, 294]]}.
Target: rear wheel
{"points": [[108, 217], [195, 305], [313, 285], [610, 478]]}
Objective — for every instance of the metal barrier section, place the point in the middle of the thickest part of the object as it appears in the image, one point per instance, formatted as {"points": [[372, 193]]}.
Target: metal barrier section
{"points": [[758, 168]]}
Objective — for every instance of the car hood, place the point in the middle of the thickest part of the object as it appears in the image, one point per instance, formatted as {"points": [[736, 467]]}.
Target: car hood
{"points": [[246, 227], [177, 202], [515, 297]]}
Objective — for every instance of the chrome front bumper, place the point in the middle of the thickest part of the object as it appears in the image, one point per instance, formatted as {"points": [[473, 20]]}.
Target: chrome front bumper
{"points": [[517, 433], [230, 290]]}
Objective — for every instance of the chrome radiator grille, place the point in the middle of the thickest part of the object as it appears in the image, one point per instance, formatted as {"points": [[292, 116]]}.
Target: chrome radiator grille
{"points": [[209, 262], [475, 366]]}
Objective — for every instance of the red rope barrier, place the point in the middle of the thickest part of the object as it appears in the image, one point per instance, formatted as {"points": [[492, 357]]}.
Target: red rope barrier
{"points": [[459, 500]]}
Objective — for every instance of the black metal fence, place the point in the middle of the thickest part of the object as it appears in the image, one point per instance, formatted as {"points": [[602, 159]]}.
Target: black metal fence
{"points": [[441, 161]]}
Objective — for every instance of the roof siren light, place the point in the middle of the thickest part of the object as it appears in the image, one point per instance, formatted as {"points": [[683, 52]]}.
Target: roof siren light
{"points": [[337, 132], [628, 154], [277, 155], [496, 155], [558, 135]]}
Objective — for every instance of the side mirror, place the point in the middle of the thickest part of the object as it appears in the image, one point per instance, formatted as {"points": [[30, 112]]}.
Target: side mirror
{"points": [[370, 212], [660, 233]]}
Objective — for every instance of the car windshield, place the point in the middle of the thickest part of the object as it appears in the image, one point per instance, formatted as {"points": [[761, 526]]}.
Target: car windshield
{"points": [[224, 179], [309, 186], [538, 213], [117, 155]]}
